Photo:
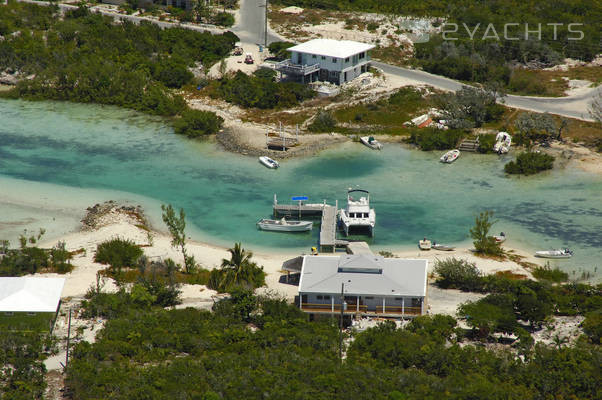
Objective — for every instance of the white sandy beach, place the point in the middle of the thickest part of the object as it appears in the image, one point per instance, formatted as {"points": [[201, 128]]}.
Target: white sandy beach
{"points": [[209, 256]]}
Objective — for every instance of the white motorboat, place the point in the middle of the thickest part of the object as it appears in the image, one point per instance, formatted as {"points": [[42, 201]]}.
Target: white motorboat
{"points": [[450, 156], [268, 162], [371, 142], [282, 225], [502, 143], [358, 214], [501, 238], [424, 244], [442, 247], [560, 253]]}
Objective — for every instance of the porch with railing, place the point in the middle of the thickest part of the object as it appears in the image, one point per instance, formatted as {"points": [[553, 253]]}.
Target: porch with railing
{"points": [[289, 68], [361, 309]]}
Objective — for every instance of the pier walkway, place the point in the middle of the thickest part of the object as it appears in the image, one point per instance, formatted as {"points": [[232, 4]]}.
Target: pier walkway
{"points": [[328, 214]]}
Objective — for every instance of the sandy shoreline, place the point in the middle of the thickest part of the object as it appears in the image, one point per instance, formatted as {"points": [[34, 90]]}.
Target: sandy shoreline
{"points": [[119, 224]]}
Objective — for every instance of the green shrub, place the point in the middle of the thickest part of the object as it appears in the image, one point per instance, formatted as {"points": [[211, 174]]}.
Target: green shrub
{"points": [[483, 242], [173, 72], [118, 253], [324, 122], [529, 163], [592, 326], [195, 123], [548, 274], [223, 19], [435, 139], [460, 274], [486, 143], [278, 49]]}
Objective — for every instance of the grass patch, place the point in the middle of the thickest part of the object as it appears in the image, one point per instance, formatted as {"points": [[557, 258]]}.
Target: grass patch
{"points": [[550, 83]]}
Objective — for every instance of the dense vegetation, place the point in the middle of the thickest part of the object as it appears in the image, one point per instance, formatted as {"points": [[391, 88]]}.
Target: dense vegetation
{"points": [[529, 163], [488, 59], [21, 367], [195, 123], [31, 259], [259, 90], [118, 253], [435, 139], [257, 347], [88, 58]]}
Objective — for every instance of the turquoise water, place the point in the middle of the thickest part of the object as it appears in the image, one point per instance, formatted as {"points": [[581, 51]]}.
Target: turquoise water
{"points": [[104, 153]]}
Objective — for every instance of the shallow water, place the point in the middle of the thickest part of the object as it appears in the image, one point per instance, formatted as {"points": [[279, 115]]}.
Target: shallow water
{"points": [[85, 154]]}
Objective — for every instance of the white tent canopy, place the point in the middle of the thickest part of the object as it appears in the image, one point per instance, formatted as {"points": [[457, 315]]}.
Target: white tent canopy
{"points": [[30, 294]]}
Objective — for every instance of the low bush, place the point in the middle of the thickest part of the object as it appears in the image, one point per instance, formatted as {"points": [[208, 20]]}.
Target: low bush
{"points": [[118, 253], [529, 163], [435, 139], [278, 49], [324, 122], [486, 143], [592, 326], [195, 123], [548, 274], [223, 19], [460, 274]]}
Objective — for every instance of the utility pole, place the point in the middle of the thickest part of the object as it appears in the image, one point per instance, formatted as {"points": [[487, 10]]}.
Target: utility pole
{"points": [[68, 338], [265, 36], [341, 323]]}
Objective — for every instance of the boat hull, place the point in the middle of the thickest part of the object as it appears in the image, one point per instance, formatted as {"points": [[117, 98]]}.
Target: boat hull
{"points": [[375, 145], [450, 156], [554, 256], [442, 247], [302, 226], [268, 162]]}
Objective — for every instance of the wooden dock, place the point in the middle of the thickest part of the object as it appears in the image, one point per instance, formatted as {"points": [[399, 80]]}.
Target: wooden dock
{"points": [[328, 214], [328, 229]]}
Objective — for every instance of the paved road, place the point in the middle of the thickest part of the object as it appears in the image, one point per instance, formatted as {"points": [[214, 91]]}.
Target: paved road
{"points": [[251, 26], [573, 107]]}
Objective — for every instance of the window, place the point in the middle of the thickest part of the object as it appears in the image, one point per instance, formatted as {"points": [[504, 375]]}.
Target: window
{"points": [[334, 60], [323, 58], [313, 56], [319, 297], [369, 298], [399, 299], [362, 55], [8, 313], [326, 297], [347, 59], [31, 314]]}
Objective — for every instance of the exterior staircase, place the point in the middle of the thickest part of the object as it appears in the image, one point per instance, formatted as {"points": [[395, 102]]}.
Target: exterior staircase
{"points": [[469, 145]]}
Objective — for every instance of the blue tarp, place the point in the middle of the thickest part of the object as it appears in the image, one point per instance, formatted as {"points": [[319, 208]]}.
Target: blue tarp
{"points": [[300, 198]]}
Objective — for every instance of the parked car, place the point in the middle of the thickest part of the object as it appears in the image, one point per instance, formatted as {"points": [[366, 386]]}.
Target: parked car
{"points": [[248, 58], [237, 51]]}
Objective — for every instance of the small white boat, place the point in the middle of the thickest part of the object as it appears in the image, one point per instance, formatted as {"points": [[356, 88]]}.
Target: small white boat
{"points": [[268, 162], [371, 142], [424, 244], [502, 143], [450, 156], [442, 247], [560, 253], [501, 238], [282, 225]]}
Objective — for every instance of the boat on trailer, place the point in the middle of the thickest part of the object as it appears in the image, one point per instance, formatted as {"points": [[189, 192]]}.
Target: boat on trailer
{"points": [[450, 156], [282, 225], [358, 215], [268, 162], [560, 253], [371, 142]]}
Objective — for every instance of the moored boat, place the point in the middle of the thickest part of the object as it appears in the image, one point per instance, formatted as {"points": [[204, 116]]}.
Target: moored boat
{"points": [[358, 214], [560, 253], [502, 143], [442, 247], [282, 225], [371, 142], [424, 244], [268, 162], [501, 238], [450, 156]]}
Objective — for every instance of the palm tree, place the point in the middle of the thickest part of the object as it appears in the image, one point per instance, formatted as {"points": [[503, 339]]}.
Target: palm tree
{"points": [[239, 270]]}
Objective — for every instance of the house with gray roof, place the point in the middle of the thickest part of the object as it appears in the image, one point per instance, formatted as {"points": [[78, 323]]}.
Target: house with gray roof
{"points": [[371, 285]]}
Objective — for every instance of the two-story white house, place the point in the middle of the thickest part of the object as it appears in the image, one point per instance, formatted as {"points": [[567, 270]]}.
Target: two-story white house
{"points": [[336, 61], [371, 285]]}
